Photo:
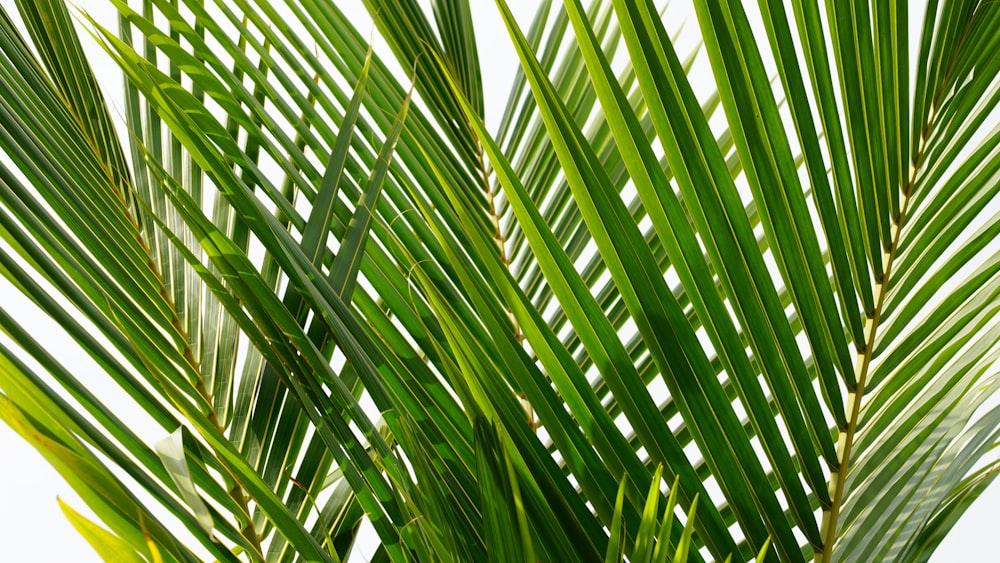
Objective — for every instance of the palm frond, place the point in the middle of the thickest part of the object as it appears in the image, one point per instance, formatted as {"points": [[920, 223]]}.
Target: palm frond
{"points": [[750, 256]]}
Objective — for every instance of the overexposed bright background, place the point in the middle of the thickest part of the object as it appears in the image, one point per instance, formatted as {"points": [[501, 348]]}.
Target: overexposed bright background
{"points": [[33, 529]]}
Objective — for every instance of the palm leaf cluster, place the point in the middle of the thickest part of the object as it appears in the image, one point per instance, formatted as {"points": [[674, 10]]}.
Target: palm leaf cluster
{"points": [[643, 317]]}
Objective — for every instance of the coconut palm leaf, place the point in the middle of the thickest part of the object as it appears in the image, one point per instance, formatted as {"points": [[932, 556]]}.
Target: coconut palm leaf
{"points": [[719, 289]]}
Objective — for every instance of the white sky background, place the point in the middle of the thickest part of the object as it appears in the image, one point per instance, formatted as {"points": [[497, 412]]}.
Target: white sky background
{"points": [[32, 528]]}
